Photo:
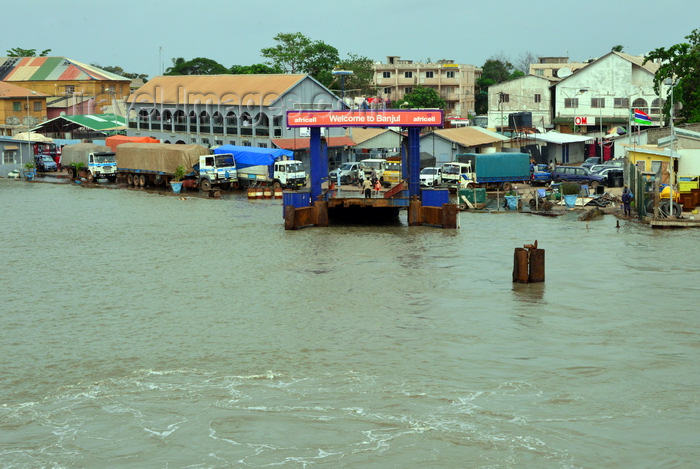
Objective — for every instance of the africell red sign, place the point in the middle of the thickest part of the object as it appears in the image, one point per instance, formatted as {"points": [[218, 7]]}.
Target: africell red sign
{"points": [[366, 118]]}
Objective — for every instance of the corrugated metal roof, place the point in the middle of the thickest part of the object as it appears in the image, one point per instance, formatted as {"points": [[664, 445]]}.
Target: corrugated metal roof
{"points": [[227, 90], [560, 138], [8, 90], [652, 67], [98, 122], [51, 68], [303, 143], [361, 135], [470, 136]]}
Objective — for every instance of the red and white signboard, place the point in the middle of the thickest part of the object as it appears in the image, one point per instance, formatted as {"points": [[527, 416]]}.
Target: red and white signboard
{"points": [[584, 120], [366, 118]]}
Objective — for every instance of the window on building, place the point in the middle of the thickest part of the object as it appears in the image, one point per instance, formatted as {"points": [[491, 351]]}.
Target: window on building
{"points": [[16, 106], [538, 98], [219, 142], [70, 89], [387, 90], [194, 139], [407, 90], [428, 74], [408, 74], [503, 98], [622, 103], [9, 157], [246, 143], [37, 106], [571, 102], [597, 103], [539, 72], [450, 74], [386, 74], [262, 145]]}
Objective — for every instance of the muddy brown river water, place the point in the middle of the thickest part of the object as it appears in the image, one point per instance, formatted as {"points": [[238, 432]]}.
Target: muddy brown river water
{"points": [[141, 330]]}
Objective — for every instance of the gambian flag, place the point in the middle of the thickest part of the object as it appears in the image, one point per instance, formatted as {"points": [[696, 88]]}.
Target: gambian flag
{"points": [[641, 117]]}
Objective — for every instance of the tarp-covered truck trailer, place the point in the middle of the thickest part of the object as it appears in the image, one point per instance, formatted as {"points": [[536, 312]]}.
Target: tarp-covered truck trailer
{"points": [[495, 170], [266, 166], [142, 164]]}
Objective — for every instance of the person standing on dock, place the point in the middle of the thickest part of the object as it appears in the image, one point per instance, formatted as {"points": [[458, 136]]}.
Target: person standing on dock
{"points": [[367, 186], [626, 201]]}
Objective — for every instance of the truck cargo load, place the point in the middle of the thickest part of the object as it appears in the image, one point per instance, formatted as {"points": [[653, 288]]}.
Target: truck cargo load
{"points": [[253, 156], [115, 140], [78, 152], [143, 164], [494, 170], [158, 157], [265, 166]]}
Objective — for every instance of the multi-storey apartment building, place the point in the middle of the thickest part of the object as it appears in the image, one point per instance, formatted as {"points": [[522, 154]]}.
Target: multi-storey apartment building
{"points": [[455, 83]]}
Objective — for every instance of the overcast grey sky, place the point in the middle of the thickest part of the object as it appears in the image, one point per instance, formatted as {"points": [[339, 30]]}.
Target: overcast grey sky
{"points": [[131, 33]]}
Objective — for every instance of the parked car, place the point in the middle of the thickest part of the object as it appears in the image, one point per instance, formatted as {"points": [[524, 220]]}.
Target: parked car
{"points": [[576, 174], [348, 173], [612, 176], [431, 177], [45, 163], [591, 161], [596, 168]]}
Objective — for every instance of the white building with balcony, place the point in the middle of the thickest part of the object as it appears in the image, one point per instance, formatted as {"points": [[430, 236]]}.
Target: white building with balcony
{"points": [[455, 83], [602, 95]]}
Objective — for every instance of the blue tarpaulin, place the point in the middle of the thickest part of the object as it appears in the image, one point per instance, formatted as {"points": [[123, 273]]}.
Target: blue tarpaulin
{"points": [[254, 156]]}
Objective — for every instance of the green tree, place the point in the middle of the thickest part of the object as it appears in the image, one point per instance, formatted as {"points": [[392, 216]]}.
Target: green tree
{"points": [[19, 52], [420, 97], [617, 48], [494, 71], [255, 69], [296, 53], [360, 83], [177, 62], [680, 62], [197, 66]]}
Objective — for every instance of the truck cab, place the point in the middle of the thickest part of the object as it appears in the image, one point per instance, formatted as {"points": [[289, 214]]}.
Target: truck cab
{"points": [[376, 164], [103, 165], [289, 174], [216, 170], [456, 173], [393, 173]]}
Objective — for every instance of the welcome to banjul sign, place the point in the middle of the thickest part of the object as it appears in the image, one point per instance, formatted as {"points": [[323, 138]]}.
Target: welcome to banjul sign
{"points": [[367, 118]]}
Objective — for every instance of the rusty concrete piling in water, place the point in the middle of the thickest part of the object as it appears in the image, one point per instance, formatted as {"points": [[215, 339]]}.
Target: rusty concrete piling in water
{"points": [[528, 264]]}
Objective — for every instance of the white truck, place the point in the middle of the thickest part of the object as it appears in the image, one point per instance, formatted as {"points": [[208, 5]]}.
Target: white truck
{"points": [[144, 164], [265, 167], [376, 165], [99, 161]]}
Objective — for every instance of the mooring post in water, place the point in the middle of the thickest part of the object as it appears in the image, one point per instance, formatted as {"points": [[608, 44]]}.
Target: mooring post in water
{"points": [[528, 264], [520, 274]]}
